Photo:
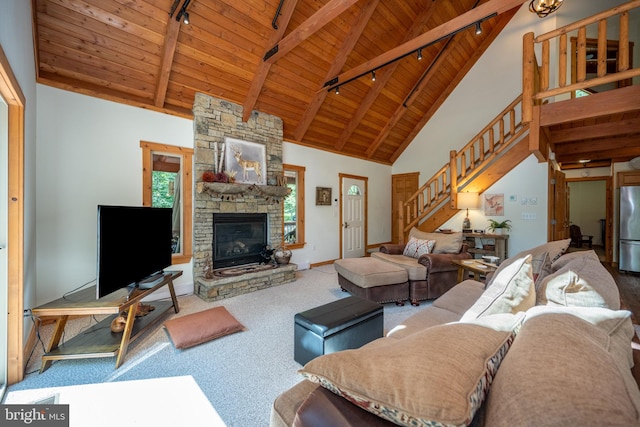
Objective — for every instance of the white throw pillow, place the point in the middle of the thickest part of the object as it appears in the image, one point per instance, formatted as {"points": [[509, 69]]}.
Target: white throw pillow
{"points": [[418, 247], [512, 291]]}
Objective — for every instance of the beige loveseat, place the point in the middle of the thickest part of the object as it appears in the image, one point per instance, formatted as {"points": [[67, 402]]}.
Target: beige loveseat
{"points": [[427, 258], [554, 351]]}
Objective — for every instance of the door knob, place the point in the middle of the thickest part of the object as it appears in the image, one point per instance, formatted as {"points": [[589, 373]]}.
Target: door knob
{"points": [[346, 225]]}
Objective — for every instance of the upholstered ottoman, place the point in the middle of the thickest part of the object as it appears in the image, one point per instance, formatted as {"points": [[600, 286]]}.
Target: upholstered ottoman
{"points": [[340, 325], [373, 279]]}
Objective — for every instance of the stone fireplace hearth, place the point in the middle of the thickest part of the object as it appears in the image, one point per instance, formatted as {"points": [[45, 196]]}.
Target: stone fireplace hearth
{"points": [[215, 119]]}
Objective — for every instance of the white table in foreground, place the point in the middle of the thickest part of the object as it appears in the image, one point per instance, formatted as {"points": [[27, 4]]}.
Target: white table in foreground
{"points": [[171, 401]]}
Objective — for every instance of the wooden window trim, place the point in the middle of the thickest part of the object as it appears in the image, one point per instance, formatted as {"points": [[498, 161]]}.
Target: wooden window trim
{"points": [[187, 191], [299, 170]]}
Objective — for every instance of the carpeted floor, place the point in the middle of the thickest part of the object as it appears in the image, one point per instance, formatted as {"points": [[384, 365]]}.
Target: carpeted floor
{"points": [[241, 374]]}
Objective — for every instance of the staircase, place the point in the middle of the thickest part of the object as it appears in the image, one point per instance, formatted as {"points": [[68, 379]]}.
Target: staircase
{"points": [[526, 126], [493, 152]]}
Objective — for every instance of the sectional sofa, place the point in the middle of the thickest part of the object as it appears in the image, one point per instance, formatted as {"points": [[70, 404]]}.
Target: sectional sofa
{"points": [[544, 343]]}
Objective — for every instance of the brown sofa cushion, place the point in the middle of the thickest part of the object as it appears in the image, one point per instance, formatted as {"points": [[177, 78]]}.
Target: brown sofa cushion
{"points": [[560, 372], [582, 282], [197, 328], [446, 243], [438, 375], [567, 258]]}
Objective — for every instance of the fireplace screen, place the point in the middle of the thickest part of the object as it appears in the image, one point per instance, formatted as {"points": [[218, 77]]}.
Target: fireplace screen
{"points": [[238, 238]]}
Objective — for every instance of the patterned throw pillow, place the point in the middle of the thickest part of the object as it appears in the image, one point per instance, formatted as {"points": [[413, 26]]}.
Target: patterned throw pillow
{"points": [[436, 377], [418, 247]]}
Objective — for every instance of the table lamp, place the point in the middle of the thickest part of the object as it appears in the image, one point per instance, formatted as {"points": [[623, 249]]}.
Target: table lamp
{"points": [[467, 201]]}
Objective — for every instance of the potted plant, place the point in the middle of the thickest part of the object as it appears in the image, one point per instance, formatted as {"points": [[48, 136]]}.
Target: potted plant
{"points": [[497, 227]]}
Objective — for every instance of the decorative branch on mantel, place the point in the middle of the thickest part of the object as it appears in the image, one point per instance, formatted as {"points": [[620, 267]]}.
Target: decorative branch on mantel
{"points": [[228, 191]]}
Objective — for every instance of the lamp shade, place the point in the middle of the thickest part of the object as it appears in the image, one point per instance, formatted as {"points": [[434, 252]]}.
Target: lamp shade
{"points": [[468, 200]]}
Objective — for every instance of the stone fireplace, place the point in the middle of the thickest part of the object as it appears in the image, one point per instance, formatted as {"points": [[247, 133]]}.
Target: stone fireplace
{"points": [[215, 119]]}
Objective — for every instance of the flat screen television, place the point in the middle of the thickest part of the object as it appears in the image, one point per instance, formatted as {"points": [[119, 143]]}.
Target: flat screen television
{"points": [[134, 244]]}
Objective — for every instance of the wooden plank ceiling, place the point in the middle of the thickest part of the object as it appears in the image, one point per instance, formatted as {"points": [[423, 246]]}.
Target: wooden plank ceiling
{"points": [[134, 52]]}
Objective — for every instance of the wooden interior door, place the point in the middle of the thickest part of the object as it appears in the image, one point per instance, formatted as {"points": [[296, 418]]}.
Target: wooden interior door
{"points": [[558, 205], [403, 186]]}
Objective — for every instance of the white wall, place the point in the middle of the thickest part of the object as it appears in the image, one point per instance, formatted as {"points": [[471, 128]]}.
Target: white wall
{"points": [[322, 230], [89, 154], [16, 41]]}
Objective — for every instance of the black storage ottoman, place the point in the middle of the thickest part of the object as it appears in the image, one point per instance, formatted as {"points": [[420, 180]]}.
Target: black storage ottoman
{"points": [[346, 323]]}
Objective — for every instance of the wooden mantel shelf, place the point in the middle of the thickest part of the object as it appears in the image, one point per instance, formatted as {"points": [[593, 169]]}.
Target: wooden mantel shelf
{"points": [[220, 189]]}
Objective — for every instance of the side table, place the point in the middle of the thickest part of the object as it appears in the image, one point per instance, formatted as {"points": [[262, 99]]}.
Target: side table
{"points": [[475, 266], [99, 341]]}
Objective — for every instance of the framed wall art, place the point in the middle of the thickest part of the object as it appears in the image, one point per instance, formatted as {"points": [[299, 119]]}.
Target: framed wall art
{"points": [[247, 160], [323, 196], [494, 204]]}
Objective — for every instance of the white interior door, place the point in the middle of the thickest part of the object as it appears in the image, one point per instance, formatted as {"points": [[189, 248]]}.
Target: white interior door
{"points": [[353, 217]]}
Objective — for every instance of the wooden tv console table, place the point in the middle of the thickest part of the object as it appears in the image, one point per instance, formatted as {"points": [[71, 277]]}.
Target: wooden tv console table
{"points": [[99, 341]]}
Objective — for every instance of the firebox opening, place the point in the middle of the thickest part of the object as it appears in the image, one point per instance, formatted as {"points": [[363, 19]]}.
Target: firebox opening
{"points": [[238, 238]]}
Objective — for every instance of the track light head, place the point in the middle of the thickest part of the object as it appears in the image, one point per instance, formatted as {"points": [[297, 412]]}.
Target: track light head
{"points": [[478, 28], [337, 90], [373, 75], [185, 18], [420, 54]]}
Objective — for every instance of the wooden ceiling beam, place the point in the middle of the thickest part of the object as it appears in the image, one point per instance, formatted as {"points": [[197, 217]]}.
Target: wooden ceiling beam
{"points": [[383, 77], [170, 43], [263, 67], [491, 8], [338, 62], [501, 22], [601, 130], [589, 107], [608, 148], [326, 14]]}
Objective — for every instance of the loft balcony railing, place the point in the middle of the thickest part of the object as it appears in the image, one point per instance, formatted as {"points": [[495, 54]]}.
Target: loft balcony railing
{"points": [[537, 77]]}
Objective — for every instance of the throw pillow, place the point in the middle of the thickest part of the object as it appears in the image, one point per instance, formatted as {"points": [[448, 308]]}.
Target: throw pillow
{"points": [[438, 376], [197, 328], [567, 258], [512, 291], [417, 247], [583, 282]]}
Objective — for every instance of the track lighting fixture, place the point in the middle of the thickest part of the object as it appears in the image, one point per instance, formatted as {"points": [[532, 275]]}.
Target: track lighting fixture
{"points": [[182, 15], [543, 8], [335, 83]]}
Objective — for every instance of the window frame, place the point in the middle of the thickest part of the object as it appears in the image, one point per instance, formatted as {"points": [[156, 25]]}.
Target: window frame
{"points": [[300, 242], [186, 194]]}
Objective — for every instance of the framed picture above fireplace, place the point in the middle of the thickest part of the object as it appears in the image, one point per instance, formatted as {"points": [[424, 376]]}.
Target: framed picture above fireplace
{"points": [[247, 160]]}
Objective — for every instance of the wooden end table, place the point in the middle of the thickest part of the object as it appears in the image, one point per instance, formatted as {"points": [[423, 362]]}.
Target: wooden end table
{"points": [[477, 267], [99, 341]]}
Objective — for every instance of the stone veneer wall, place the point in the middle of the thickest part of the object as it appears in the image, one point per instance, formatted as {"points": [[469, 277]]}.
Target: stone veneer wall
{"points": [[215, 119]]}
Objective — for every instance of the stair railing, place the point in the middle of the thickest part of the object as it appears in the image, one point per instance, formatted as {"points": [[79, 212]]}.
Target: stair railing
{"points": [[506, 128], [536, 77]]}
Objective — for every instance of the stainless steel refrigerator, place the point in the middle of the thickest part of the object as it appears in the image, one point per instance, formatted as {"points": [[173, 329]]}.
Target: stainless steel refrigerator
{"points": [[629, 254]]}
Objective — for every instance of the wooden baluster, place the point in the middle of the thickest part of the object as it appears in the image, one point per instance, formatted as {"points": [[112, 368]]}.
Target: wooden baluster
{"points": [[562, 66], [512, 124], [602, 48], [623, 47], [463, 164], [481, 149], [528, 64], [544, 71], [582, 55], [492, 140], [502, 129], [421, 201], [453, 172], [401, 223]]}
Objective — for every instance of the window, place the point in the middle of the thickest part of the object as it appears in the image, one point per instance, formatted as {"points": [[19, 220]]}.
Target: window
{"points": [[166, 182], [293, 207]]}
